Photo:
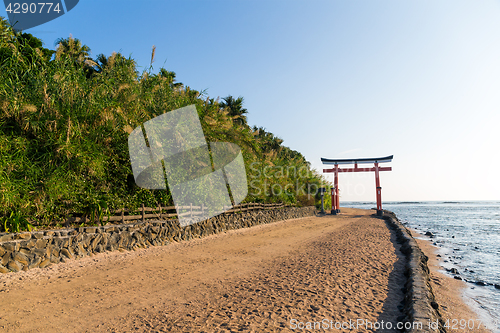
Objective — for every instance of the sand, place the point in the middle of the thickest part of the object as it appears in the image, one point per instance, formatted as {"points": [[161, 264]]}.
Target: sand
{"points": [[323, 271]]}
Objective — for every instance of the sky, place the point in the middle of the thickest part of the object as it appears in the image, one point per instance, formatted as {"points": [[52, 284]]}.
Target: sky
{"points": [[417, 79]]}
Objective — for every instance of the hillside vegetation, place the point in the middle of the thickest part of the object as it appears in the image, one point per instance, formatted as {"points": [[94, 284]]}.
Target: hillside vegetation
{"points": [[64, 124]]}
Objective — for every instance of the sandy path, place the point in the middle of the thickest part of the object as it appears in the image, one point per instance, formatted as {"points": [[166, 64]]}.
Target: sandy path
{"points": [[258, 279]]}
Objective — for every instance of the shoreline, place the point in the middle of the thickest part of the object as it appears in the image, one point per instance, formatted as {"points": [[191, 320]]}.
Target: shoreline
{"points": [[449, 292]]}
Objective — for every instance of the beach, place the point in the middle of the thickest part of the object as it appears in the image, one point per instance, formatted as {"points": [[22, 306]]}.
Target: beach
{"points": [[284, 276]]}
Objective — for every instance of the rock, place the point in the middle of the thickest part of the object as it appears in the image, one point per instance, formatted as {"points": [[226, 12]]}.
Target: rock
{"points": [[480, 283], [4, 269], [23, 235], [430, 234], [45, 263], [41, 243], [55, 251], [2, 251], [35, 262], [314, 308], [15, 266], [66, 253], [457, 277], [37, 235], [20, 257], [40, 252], [497, 286], [5, 258], [11, 246], [435, 305], [25, 251], [6, 237], [454, 271]]}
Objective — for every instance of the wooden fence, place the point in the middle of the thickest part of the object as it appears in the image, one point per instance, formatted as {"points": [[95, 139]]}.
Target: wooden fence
{"points": [[166, 212]]}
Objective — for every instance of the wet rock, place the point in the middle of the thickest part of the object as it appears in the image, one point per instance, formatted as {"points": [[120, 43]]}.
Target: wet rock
{"points": [[497, 286], [454, 271], [480, 283], [457, 277]]}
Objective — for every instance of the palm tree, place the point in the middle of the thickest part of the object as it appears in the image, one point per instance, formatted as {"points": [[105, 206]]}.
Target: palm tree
{"points": [[236, 110], [73, 48], [170, 76]]}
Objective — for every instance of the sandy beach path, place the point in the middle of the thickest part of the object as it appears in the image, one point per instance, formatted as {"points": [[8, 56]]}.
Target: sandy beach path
{"points": [[257, 279]]}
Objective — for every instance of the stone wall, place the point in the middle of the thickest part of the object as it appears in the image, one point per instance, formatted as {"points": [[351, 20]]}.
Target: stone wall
{"points": [[419, 304], [23, 251]]}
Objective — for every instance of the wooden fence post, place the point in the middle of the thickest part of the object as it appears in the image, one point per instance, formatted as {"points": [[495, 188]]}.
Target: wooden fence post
{"points": [[142, 212]]}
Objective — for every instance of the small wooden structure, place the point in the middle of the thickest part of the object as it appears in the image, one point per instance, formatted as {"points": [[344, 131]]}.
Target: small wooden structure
{"points": [[356, 161]]}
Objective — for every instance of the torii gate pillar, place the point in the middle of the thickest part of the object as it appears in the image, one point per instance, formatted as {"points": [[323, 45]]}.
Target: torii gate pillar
{"points": [[376, 169]]}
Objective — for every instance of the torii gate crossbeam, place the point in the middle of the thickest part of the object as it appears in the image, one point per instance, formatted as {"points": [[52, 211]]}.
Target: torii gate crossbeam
{"points": [[356, 161]]}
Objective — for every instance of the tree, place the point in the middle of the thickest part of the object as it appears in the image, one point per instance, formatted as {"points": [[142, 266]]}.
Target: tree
{"points": [[73, 49], [170, 76], [236, 110]]}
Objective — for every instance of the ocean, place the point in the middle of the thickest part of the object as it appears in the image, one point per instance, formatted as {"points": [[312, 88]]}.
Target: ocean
{"points": [[467, 235]]}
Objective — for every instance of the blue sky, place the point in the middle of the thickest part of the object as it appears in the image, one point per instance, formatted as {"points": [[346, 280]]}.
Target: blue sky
{"points": [[336, 79]]}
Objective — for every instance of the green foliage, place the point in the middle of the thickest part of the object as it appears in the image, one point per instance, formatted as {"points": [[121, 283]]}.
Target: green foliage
{"points": [[15, 222], [64, 126]]}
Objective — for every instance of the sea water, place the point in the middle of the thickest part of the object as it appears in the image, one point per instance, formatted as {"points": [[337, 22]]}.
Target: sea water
{"points": [[467, 237]]}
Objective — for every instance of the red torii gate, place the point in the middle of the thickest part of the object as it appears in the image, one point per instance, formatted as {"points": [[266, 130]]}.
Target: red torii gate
{"points": [[356, 161]]}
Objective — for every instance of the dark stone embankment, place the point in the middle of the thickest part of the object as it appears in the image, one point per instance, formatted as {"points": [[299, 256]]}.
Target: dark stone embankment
{"points": [[23, 251], [419, 304]]}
